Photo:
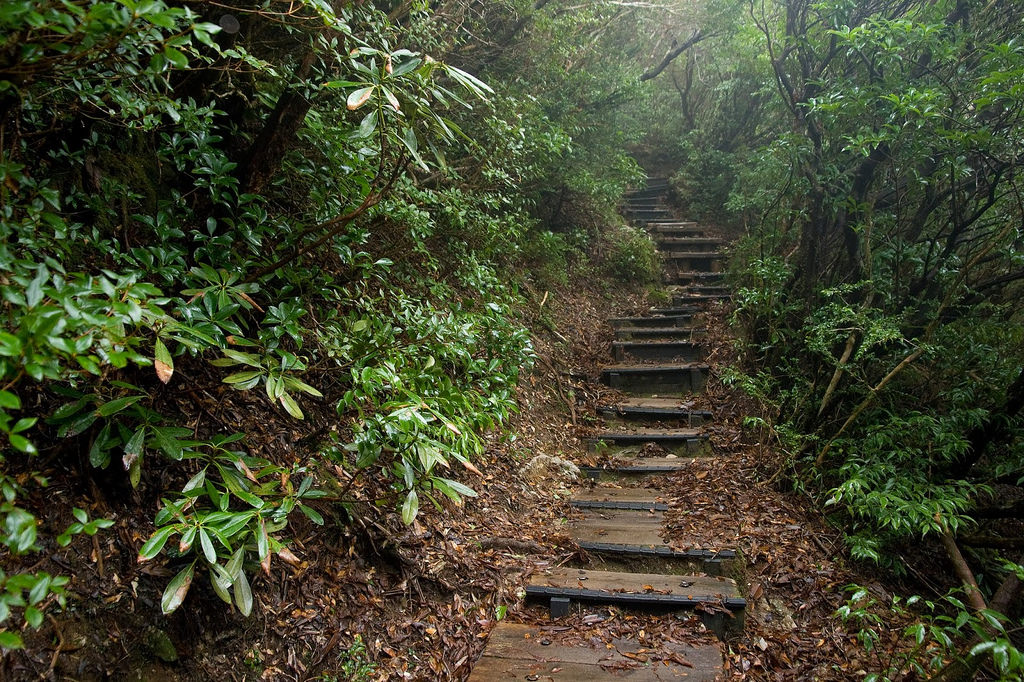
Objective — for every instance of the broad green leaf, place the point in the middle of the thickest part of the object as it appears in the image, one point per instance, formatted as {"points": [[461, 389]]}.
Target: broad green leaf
{"points": [[166, 438], [187, 538], [359, 97], [134, 445], [410, 507], [176, 590], [176, 58], [392, 100], [115, 406], [11, 640], [34, 291], [243, 594], [206, 544], [21, 444], [263, 546], [221, 582], [195, 482], [290, 406], [406, 66], [312, 514], [242, 377], [234, 564], [459, 487], [156, 543], [300, 385], [163, 362], [367, 126]]}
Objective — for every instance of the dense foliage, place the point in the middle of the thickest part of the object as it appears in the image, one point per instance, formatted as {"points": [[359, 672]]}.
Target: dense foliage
{"points": [[307, 202], [871, 151]]}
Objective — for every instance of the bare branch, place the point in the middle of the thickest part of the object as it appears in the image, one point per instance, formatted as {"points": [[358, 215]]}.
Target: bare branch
{"points": [[696, 37]]}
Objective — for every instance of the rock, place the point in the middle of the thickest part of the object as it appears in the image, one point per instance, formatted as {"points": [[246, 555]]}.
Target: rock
{"points": [[546, 466]]}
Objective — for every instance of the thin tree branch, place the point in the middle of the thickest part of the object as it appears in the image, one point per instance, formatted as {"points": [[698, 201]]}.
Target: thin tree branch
{"points": [[695, 38]]}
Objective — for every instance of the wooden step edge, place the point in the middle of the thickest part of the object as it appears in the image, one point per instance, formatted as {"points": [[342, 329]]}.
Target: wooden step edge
{"points": [[653, 369], [682, 344], [517, 652], [635, 598], [681, 317], [595, 472], [692, 255], [682, 435], [661, 412], [618, 504], [681, 311], [663, 551], [667, 331]]}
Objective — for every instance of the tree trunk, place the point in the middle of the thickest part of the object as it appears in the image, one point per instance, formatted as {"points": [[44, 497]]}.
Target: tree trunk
{"points": [[267, 151]]}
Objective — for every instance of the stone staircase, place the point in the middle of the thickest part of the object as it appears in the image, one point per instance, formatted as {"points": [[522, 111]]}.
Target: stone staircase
{"points": [[618, 523]]}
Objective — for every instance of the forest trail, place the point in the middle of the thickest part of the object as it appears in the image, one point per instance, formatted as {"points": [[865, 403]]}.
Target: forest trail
{"points": [[628, 558]]}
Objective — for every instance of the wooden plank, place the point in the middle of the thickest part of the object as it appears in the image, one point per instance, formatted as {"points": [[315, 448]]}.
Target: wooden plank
{"points": [[693, 587], [651, 380], [520, 652], [664, 409], [682, 320], [613, 526], [639, 465], [626, 333], [658, 351], [687, 310], [697, 255], [655, 403], [676, 441], [654, 369], [645, 435], [638, 499], [606, 494]]}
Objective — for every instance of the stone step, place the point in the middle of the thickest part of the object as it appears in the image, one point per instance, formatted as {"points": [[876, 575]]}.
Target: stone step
{"points": [[676, 441], [628, 333], [656, 409], [679, 320], [526, 652], [660, 380], [560, 586], [659, 351], [637, 499]]}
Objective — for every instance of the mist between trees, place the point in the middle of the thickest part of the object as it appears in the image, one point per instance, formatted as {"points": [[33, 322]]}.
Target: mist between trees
{"points": [[341, 208]]}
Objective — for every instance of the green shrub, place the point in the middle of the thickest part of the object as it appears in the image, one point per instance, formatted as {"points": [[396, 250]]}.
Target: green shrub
{"points": [[631, 256]]}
